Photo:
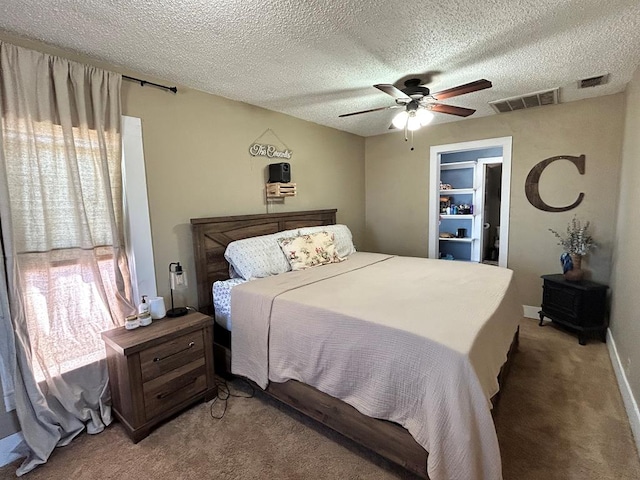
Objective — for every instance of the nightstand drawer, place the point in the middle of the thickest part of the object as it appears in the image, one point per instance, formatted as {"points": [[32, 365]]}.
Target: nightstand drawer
{"points": [[159, 360], [171, 389]]}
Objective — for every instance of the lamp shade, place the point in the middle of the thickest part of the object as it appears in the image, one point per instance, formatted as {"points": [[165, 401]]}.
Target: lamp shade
{"points": [[178, 278], [177, 281]]}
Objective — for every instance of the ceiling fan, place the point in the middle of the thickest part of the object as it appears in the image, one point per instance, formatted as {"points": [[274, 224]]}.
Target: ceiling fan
{"points": [[418, 102]]}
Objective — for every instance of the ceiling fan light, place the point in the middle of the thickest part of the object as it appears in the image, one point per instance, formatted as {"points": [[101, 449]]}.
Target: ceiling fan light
{"points": [[413, 123], [400, 120], [424, 116]]}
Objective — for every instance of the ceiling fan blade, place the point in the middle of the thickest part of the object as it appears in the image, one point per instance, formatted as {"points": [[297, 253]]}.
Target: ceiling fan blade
{"points": [[462, 89], [451, 110], [393, 91], [371, 110]]}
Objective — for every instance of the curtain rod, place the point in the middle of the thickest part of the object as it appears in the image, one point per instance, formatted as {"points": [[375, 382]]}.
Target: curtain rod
{"points": [[144, 82]]}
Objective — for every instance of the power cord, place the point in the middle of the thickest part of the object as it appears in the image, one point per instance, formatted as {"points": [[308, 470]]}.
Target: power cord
{"points": [[224, 393]]}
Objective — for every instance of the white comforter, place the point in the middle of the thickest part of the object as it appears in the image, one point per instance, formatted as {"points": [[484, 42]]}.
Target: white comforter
{"points": [[415, 341]]}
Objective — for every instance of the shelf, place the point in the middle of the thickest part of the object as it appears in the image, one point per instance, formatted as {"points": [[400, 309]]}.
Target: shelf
{"points": [[457, 165], [462, 177], [462, 240], [458, 191], [279, 190]]}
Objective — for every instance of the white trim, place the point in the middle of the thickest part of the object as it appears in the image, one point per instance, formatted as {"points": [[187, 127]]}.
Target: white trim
{"points": [[505, 200], [458, 191], [478, 209], [461, 217], [137, 221], [531, 311], [630, 403], [434, 202], [436, 152], [458, 165], [480, 185], [472, 145], [7, 444]]}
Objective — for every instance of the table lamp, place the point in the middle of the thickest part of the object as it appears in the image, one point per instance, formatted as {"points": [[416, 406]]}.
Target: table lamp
{"points": [[177, 281]]}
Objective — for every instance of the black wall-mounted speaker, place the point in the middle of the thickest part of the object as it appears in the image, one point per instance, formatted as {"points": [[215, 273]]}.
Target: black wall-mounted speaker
{"points": [[279, 173]]}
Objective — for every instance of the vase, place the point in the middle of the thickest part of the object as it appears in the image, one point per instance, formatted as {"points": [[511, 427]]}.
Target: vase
{"points": [[576, 274]]}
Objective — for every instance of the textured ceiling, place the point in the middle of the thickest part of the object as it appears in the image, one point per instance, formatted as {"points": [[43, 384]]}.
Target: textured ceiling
{"points": [[317, 59]]}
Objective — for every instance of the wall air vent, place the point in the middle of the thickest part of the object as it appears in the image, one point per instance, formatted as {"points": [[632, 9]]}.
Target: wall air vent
{"points": [[536, 99], [593, 81]]}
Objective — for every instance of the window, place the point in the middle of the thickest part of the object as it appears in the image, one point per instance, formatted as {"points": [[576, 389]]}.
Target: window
{"points": [[63, 238], [66, 336]]}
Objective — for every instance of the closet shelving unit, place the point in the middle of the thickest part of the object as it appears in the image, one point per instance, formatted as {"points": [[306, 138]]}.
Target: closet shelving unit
{"points": [[463, 176]]}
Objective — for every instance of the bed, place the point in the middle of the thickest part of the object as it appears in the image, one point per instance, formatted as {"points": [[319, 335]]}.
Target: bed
{"points": [[463, 383]]}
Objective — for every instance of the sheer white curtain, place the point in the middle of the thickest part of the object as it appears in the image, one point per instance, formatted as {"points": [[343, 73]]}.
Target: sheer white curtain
{"points": [[62, 231]]}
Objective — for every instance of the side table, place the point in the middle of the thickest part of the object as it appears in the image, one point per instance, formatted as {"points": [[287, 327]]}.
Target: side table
{"points": [[579, 306], [158, 370]]}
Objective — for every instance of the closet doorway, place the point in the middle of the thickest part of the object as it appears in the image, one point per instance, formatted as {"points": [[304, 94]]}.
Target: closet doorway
{"points": [[469, 201]]}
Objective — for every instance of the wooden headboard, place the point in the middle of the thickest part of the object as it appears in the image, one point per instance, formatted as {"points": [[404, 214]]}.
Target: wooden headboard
{"points": [[212, 235]]}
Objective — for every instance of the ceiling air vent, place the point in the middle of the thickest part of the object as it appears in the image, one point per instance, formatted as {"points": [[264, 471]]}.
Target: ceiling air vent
{"points": [[593, 81], [536, 99]]}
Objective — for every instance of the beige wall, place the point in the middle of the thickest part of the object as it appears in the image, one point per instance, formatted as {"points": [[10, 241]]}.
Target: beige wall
{"points": [[197, 164], [625, 308], [397, 183]]}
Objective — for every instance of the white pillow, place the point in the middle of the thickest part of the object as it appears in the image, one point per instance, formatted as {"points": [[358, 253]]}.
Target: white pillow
{"points": [[311, 250], [342, 237], [258, 257]]}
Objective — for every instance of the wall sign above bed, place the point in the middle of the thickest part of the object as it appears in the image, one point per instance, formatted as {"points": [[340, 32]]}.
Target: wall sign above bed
{"points": [[269, 151], [261, 149]]}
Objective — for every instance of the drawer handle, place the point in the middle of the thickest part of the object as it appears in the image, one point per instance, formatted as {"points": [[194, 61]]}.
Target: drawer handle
{"points": [[167, 394], [191, 345]]}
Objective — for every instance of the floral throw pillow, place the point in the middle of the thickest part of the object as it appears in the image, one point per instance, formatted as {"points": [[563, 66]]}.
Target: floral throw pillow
{"points": [[307, 251]]}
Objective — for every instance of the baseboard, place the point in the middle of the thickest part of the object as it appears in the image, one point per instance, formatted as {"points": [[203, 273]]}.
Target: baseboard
{"points": [[630, 403], [531, 312], [7, 444]]}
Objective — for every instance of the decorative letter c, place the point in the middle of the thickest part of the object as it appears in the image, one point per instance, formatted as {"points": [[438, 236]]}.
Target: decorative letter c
{"points": [[531, 184]]}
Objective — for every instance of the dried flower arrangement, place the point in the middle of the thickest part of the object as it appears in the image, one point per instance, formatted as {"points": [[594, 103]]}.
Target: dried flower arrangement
{"points": [[577, 241]]}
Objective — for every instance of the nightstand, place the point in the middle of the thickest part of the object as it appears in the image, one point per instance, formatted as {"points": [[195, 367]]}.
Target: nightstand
{"points": [[158, 370], [579, 306]]}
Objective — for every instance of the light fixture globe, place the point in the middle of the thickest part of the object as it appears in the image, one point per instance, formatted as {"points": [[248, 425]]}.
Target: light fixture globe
{"points": [[424, 116], [413, 123], [400, 120]]}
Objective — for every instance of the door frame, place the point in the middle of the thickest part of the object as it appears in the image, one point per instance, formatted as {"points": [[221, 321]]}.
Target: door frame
{"points": [[436, 153], [481, 173]]}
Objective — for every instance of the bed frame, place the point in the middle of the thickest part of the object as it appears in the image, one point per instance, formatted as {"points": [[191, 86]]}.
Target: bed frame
{"points": [[210, 239]]}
